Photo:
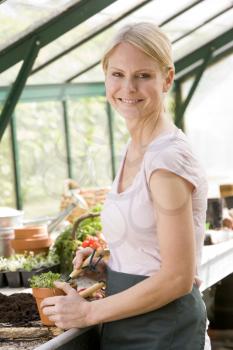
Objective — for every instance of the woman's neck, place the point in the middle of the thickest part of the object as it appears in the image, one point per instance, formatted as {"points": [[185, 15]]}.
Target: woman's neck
{"points": [[142, 133]]}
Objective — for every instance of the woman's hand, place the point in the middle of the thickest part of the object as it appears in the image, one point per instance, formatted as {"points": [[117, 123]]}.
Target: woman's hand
{"points": [[69, 311], [81, 255]]}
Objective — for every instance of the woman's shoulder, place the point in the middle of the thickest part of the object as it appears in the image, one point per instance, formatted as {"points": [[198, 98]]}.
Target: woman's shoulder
{"points": [[168, 145], [174, 153]]}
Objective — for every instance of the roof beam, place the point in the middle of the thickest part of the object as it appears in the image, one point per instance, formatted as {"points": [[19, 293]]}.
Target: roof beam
{"points": [[51, 30], [89, 67], [198, 55], [183, 105], [91, 35], [57, 92], [18, 86], [216, 57]]}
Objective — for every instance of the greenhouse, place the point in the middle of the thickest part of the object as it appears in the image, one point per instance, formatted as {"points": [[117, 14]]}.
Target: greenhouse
{"points": [[62, 145]]}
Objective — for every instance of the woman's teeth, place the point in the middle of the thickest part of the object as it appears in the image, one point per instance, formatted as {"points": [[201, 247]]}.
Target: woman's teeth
{"points": [[129, 101]]}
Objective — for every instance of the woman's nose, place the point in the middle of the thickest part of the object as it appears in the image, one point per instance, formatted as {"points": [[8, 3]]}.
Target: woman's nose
{"points": [[130, 84]]}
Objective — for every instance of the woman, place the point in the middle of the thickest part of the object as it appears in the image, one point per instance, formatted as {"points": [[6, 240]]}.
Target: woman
{"points": [[154, 216]]}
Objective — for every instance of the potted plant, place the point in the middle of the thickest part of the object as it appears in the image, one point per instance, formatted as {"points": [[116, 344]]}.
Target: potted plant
{"points": [[43, 287], [31, 266], [35, 264], [3, 264]]}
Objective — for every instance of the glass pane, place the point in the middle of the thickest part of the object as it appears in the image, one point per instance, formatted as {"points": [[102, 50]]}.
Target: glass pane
{"points": [[41, 145], [80, 58], [208, 119], [197, 15], [94, 74], [7, 189], [84, 29], [18, 17], [203, 35], [8, 76], [72, 63], [90, 142]]}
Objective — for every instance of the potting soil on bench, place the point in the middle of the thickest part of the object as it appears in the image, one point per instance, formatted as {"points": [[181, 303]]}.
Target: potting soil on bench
{"points": [[18, 309]]}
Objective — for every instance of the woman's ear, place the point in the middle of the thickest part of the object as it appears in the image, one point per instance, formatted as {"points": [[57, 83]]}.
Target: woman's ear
{"points": [[168, 80]]}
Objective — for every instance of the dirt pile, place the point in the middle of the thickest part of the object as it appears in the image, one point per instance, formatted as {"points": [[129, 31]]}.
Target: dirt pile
{"points": [[18, 309]]}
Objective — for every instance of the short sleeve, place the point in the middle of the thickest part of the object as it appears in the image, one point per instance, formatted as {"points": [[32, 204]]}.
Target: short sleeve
{"points": [[176, 157]]}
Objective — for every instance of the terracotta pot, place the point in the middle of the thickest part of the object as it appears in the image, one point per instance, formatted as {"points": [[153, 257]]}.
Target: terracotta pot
{"points": [[35, 245], [31, 232], [40, 294]]}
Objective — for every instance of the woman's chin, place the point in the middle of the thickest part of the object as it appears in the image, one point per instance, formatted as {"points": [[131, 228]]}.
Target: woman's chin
{"points": [[128, 116]]}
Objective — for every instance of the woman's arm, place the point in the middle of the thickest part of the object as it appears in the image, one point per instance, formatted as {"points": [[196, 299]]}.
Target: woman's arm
{"points": [[173, 210]]}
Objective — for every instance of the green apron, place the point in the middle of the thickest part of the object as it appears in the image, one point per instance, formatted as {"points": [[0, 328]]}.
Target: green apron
{"points": [[179, 325]]}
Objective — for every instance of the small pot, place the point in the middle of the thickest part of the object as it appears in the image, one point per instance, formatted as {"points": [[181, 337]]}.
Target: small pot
{"points": [[36, 245], [13, 279], [55, 268], [3, 281], [26, 275], [31, 232], [40, 294]]}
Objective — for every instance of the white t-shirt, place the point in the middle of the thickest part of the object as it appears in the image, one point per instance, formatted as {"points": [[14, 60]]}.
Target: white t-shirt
{"points": [[128, 218]]}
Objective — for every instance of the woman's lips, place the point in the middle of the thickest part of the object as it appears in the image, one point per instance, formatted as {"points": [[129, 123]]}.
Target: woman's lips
{"points": [[130, 101]]}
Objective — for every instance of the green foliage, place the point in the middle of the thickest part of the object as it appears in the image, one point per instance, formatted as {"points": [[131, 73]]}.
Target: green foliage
{"points": [[44, 280], [29, 261], [65, 247], [88, 227], [33, 262]]}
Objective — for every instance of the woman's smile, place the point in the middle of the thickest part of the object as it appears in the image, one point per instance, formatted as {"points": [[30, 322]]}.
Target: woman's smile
{"points": [[130, 101], [134, 83]]}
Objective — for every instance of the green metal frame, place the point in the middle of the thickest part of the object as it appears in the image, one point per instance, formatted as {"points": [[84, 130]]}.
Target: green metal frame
{"points": [[81, 72], [90, 36], [202, 57], [51, 30], [26, 49], [67, 139], [56, 92], [18, 85], [186, 63], [111, 138], [186, 8], [178, 103], [183, 106], [16, 168], [203, 24], [169, 19]]}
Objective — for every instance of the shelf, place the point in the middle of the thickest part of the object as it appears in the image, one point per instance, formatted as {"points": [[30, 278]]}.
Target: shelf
{"points": [[217, 263]]}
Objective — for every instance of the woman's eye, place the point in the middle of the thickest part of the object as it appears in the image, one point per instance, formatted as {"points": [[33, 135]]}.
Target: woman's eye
{"points": [[117, 74], [143, 76]]}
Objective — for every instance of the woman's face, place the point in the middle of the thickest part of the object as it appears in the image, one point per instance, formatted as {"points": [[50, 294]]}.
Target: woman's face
{"points": [[134, 83]]}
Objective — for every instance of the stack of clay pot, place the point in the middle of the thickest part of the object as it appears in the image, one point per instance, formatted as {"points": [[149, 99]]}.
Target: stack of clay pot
{"points": [[33, 238]]}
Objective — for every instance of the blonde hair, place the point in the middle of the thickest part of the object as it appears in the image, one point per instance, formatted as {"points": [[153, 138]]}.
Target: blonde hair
{"points": [[149, 38]]}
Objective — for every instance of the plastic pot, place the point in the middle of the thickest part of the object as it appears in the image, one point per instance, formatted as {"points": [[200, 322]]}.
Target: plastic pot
{"points": [[3, 281], [40, 294], [26, 275], [13, 279]]}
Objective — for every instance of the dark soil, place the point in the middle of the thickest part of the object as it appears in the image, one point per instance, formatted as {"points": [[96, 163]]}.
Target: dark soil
{"points": [[18, 309]]}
